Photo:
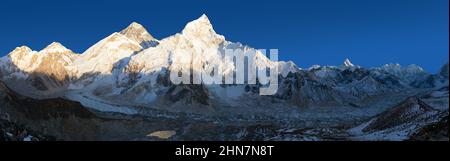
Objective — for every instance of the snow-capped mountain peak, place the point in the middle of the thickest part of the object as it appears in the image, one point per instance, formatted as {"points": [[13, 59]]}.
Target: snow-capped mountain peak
{"points": [[414, 68], [287, 67], [313, 67], [20, 52], [347, 63], [138, 33], [55, 47], [392, 66], [43, 72], [115, 42], [199, 27], [22, 49], [101, 57], [397, 68], [27, 60], [21, 57], [410, 74], [134, 26]]}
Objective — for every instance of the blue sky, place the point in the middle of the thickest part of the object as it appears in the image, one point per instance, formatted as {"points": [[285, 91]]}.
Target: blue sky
{"points": [[325, 32]]}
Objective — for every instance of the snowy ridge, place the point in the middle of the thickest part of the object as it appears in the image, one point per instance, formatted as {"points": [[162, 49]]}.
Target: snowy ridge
{"points": [[101, 57], [26, 60], [130, 68]]}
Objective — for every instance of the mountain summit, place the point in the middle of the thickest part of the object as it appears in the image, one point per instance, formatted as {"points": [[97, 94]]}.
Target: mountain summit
{"points": [[347, 63], [55, 47], [20, 50], [138, 33], [199, 27]]}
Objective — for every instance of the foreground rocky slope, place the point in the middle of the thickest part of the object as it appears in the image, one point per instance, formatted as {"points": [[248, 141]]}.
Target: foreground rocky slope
{"points": [[59, 119]]}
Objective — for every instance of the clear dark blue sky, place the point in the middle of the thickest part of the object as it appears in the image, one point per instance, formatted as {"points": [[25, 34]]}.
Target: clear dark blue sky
{"points": [[369, 32]]}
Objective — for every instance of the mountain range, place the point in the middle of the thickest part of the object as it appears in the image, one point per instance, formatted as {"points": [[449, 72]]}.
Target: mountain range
{"points": [[126, 76]]}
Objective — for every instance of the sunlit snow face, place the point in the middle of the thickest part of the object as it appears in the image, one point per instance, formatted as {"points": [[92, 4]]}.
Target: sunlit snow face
{"points": [[230, 66]]}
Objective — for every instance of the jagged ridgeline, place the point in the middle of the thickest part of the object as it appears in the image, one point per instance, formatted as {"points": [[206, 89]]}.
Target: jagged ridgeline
{"points": [[128, 73]]}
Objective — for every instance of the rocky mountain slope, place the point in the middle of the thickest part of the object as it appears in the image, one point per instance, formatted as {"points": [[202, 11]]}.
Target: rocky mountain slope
{"points": [[40, 74]]}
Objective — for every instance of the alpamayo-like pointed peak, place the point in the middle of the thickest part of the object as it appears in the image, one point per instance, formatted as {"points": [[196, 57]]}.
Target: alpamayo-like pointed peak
{"points": [[138, 33], [347, 63], [204, 18]]}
